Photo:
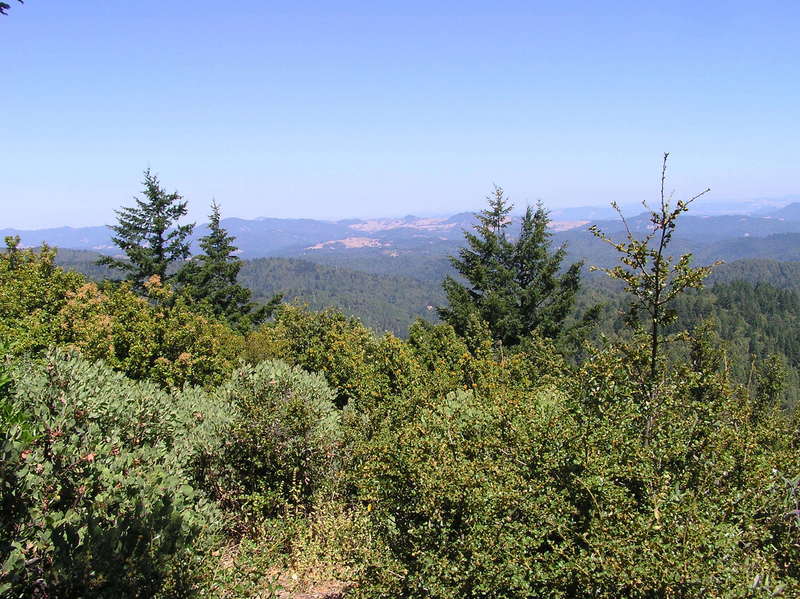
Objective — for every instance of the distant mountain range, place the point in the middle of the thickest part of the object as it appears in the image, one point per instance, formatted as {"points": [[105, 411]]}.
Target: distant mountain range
{"points": [[265, 237], [418, 248], [273, 236], [389, 271], [790, 212]]}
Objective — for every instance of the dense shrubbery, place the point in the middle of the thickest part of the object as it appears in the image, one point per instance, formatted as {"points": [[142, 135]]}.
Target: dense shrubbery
{"points": [[281, 445], [32, 292], [107, 482], [160, 337], [97, 500], [550, 493], [359, 365], [141, 458], [366, 369]]}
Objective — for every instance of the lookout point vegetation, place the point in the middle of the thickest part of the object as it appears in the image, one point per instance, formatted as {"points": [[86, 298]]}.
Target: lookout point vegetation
{"points": [[158, 439], [149, 234]]}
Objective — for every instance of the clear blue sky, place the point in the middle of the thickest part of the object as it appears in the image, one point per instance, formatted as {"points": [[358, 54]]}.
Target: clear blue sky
{"points": [[339, 109]]}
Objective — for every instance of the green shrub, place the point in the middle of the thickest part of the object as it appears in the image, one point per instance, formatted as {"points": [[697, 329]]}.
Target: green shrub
{"points": [[365, 369], [281, 445], [160, 338], [356, 363], [468, 493], [32, 291], [97, 502], [10, 414], [546, 493]]}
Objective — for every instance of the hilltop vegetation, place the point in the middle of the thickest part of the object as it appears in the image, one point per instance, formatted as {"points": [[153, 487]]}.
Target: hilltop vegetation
{"points": [[157, 441], [389, 303]]}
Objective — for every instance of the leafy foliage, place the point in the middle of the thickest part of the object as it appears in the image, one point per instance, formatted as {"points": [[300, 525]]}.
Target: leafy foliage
{"points": [[559, 493], [32, 292], [651, 277], [382, 302], [281, 444], [440, 466], [97, 502], [359, 365], [159, 337]]}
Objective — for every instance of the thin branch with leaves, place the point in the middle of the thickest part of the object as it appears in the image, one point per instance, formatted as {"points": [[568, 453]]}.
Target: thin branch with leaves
{"points": [[651, 275]]}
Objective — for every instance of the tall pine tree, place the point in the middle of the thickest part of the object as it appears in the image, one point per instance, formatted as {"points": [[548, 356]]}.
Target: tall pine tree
{"points": [[515, 286], [546, 297], [149, 235], [211, 278]]}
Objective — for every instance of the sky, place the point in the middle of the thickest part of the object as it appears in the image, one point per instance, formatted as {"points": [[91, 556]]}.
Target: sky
{"points": [[361, 109]]}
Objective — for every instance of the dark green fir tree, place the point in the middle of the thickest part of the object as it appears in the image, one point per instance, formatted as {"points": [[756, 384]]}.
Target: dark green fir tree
{"points": [[149, 234], [546, 296], [515, 286], [211, 278]]}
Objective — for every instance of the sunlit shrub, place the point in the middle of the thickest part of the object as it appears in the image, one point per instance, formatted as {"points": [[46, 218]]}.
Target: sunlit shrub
{"points": [[281, 444], [587, 491], [355, 362], [160, 338], [32, 291]]}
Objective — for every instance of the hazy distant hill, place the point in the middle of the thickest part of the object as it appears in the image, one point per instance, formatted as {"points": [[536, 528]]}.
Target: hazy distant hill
{"points": [[785, 248], [77, 238], [783, 275], [401, 245], [83, 261], [790, 212], [706, 229], [413, 248], [729, 237], [263, 237]]}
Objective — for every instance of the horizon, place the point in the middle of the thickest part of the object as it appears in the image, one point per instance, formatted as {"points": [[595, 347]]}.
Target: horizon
{"points": [[629, 210], [346, 111]]}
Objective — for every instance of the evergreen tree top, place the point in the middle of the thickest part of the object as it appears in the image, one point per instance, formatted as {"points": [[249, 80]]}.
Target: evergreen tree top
{"points": [[149, 234], [514, 286]]}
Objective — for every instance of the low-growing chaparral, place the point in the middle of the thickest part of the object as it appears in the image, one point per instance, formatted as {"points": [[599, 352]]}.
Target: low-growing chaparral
{"points": [[165, 436]]}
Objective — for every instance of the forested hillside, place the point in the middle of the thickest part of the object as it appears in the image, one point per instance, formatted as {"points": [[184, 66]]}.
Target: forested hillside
{"points": [[755, 322], [369, 300], [382, 302], [164, 435], [412, 245]]}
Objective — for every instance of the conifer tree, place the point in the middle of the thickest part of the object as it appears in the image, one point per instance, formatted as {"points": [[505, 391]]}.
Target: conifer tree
{"points": [[546, 298], [514, 286], [149, 235], [211, 278]]}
